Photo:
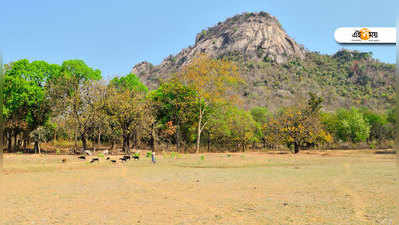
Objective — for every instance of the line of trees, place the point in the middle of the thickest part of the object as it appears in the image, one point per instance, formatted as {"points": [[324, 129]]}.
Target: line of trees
{"points": [[47, 102]]}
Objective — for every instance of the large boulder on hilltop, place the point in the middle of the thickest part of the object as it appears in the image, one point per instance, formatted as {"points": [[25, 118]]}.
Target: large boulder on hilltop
{"points": [[255, 36]]}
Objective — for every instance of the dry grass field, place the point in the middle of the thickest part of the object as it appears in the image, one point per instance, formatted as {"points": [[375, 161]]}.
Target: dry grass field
{"points": [[329, 187]]}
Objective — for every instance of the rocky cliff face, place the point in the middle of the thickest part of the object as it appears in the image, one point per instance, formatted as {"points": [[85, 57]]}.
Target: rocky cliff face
{"points": [[256, 36], [278, 71]]}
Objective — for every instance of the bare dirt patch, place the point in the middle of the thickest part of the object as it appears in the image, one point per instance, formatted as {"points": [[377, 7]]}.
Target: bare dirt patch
{"points": [[326, 187]]}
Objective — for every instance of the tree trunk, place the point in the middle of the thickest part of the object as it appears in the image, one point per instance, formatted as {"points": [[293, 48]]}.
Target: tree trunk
{"points": [[112, 145], [126, 147], [4, 138], [198, 140], [209, 142], [199, 132], [15, 140], [99, 138], [135, 141], [76, 140], [153, 138], [296, 148], [37, 147], [9, 140], [25, 144], [84, 141], [123, 143], [177, 138]]}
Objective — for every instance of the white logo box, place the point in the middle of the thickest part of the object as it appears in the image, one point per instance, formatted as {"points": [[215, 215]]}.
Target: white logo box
{"points": [[385, 35]]}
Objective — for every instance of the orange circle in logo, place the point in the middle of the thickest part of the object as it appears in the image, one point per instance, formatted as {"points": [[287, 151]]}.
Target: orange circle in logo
{"points": [[364, 34]]}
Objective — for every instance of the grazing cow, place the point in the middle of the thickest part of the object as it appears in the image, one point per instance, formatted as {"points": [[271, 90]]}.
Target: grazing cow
{"points": [[87, 152], [123, 159], [94, 159], [82, 157]]}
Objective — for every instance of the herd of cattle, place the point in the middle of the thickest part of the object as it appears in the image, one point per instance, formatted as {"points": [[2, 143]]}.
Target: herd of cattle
{"points": [[97, 159]]}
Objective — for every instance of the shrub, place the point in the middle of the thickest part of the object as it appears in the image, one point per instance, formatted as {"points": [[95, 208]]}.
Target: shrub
{"points": [[267, 59], [264, 14], [173, 155], [347, 125]]}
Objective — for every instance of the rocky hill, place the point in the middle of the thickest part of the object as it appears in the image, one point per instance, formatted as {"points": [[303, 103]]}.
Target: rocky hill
{"points": [[278, 71]]}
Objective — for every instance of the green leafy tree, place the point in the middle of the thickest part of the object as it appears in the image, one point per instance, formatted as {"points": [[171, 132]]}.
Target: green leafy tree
{"points": [[348, 125], [218, 129], [261, 116], [379, 127], [242, 127], [176, 103], [130, 81], [27, 104], [74, 92]]}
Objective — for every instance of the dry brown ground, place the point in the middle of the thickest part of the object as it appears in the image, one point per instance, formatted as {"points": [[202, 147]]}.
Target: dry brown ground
{"points": [[332, 187]]}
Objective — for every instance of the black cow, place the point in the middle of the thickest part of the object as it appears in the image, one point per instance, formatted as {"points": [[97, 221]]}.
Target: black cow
{"points": [[94, 159], [123, 159]]}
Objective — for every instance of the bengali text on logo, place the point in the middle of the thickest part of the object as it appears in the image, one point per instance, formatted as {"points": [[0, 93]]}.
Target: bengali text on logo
{"points": [[366, 35]]}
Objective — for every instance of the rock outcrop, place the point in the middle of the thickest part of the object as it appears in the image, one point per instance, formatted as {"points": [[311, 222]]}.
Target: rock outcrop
{"points": [[256, 36]]}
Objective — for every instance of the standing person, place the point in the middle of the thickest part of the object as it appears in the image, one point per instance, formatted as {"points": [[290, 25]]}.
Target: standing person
{"points": [[153, 157]]}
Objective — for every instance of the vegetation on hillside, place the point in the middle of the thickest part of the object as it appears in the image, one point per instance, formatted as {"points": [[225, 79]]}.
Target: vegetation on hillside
{"points": [[347, 78]]}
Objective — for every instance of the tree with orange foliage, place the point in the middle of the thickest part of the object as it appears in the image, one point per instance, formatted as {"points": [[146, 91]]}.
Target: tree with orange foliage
{"points": [[299, 126], [214, 80]]}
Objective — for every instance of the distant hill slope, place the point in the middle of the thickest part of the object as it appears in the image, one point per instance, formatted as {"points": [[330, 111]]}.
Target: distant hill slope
{"points": [[278, 71]]}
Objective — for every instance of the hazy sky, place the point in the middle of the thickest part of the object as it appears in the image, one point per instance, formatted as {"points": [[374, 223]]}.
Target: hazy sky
{"points": [[115, 35]]}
